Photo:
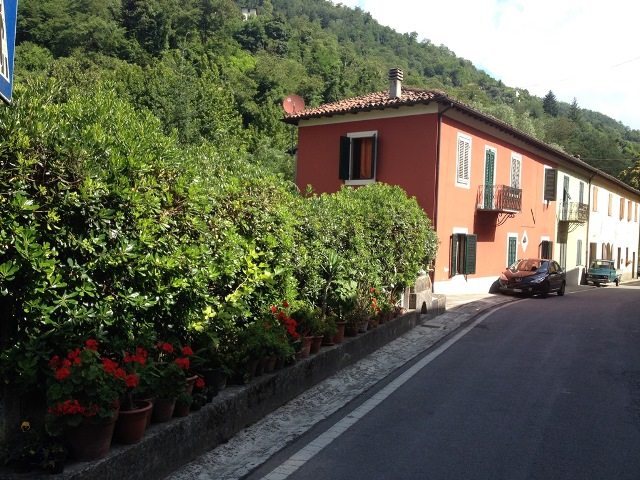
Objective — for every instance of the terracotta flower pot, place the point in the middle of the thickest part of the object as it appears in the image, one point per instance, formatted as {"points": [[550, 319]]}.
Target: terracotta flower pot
{"points": [[89, 440], [163, 409], [316, 343], [306, 347], [132, 424], [191, 381], [181, 409], [339, 336]]}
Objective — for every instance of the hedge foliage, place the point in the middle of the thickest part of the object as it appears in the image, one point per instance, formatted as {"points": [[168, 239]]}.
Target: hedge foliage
{"points": [[109, 228]]}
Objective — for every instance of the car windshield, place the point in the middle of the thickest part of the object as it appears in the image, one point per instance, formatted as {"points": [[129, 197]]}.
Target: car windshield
{"points": [[529, 265], [601, 264]]}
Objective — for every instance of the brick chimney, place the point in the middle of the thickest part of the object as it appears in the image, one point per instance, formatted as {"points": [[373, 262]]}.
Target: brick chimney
{"points": [[395, 83]]}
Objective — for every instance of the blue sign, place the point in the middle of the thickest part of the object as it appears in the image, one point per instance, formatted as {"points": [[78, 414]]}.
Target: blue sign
{"points": [[8, 16]]}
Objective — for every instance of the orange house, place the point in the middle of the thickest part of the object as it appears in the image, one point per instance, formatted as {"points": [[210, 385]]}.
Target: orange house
{"points": [[481, 182]]}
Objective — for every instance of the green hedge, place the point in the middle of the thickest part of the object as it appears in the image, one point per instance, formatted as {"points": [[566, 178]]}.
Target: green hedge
{"points": [[111, 229]]}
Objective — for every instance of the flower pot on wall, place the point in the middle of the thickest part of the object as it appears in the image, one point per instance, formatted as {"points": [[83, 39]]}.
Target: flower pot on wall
{"points": [[306, 347], [163, 409], [316, 343], [132, 424], [339, 336], [181, 409], [91, 440], [191, 381]]}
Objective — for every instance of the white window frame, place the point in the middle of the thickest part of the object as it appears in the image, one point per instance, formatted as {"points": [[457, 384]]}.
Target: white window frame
{"points": [[464, 180], [516, 158], [366, 181]]}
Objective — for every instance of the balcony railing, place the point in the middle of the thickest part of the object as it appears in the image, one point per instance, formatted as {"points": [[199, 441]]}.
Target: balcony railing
{"points": [[574, 212], [499, 198]]}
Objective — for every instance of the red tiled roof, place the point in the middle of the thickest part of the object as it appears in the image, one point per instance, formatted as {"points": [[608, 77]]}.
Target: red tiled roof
{"points": [[370, 101], [415, 96]]}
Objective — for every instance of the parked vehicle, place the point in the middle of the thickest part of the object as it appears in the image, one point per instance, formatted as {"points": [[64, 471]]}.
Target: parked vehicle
{"points": [[533, 276], [603, 272]]}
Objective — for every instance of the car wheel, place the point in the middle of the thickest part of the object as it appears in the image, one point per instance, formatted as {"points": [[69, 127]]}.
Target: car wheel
{"points": [[544, 292], [561, 291], [617, 282]]}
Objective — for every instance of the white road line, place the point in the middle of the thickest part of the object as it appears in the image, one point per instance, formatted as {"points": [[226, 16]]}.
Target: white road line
{"points": [[305, 454]]}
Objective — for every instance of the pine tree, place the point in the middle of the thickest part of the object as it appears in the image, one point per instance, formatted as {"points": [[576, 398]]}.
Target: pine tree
{"points": [[574, 110], [550, 104]]}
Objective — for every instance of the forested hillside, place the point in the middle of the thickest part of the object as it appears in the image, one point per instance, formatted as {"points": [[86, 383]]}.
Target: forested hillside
{"points": [[212, 76]]}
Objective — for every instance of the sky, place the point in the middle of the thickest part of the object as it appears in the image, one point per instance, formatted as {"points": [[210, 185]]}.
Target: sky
{"points": [[579, 49]]}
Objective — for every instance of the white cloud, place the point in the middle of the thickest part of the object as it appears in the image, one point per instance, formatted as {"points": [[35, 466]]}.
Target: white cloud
{"points": [[576, 48]]}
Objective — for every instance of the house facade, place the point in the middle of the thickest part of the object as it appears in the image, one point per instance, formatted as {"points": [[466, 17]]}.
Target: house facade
{"points": [[493, 194]]}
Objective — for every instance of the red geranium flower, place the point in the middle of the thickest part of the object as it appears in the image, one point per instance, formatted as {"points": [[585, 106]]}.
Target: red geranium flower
{"points": [[91, 344], [109, 365], [62, 373], [199, 382], [182, 362], [187, 350], [132, 380]]}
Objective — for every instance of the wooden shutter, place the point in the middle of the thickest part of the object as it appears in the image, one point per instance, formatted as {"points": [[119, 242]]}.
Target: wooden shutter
{"points": [[546, 249], [454, 255], [512, 251], [470, 254], [345, 156], [516, 164], [464, 152], [550, 184]]}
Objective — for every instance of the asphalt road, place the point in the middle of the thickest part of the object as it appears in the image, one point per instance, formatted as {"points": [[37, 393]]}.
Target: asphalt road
{"points": [[539, 389]]}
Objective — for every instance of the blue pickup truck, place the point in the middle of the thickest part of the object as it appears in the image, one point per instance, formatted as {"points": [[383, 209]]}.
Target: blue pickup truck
{"points": [[603, 272]]}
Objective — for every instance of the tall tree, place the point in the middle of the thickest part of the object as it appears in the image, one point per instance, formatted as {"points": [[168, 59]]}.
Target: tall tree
{"points": [[550, 104], [574, 110]]}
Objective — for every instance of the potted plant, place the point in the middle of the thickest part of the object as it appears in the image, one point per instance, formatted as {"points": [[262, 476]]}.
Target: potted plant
{"points": [[310, 325], [83, 395], [183, 404], [169, 378], [136, 404]]}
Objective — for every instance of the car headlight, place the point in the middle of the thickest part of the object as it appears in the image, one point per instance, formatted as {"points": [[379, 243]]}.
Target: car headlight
{"points": [[537, 280]]}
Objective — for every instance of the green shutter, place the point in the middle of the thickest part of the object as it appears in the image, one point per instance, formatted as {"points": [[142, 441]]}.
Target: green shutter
{"points": [[550, 179], [345, 155], [513, 251], [470, 254], [454, 255], [489, 170]]}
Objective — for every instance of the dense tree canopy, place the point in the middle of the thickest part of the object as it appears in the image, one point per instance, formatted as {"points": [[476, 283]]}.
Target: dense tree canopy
{"points": [[210, 75]]}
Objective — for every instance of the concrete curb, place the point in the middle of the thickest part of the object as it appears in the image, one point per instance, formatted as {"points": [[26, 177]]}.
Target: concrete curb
{"points": [[166, 447]]}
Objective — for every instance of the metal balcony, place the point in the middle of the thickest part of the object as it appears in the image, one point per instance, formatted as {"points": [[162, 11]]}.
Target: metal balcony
{"points": [[499, 198], [574, 212]]}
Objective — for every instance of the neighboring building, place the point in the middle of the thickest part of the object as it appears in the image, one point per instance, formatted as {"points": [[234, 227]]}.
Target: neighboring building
{"points": [[248, 13], [613, 225], [493, 193]]}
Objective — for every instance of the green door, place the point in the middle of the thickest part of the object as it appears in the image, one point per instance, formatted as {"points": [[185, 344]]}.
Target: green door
{"points": [[489, 170]]}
